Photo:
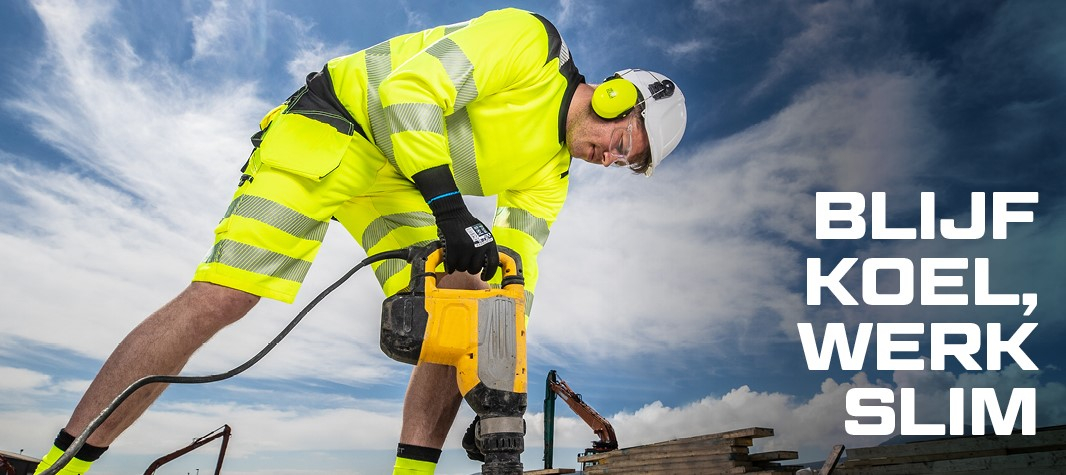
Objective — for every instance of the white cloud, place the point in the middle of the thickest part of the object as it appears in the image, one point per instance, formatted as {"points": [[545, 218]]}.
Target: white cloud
{"points": [[817, 46], [229, 30], [574, 14], [312, 57], [798, 425], [30, 430], [212, 31], [713, 6], [290, 428], [311, 53], [685, 51], [688, 47], [21, 379], [416, 19], [587, 37]]}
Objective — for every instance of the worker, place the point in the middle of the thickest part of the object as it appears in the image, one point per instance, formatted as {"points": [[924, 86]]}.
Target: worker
{"points": [[387, 141]]}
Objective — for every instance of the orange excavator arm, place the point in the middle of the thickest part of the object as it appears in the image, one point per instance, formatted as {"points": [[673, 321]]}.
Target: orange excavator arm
{"points": [[556, 387], [223, 432]]}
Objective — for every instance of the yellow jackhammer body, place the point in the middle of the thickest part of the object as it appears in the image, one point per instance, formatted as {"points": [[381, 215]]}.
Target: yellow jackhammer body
{"points": [[482, 333]]}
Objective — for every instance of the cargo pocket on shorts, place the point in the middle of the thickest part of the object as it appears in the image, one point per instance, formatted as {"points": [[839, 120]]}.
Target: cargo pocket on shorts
{"points": [[308, 139]]}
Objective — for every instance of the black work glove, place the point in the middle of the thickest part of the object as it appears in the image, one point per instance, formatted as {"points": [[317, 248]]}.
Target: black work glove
{"points": [[468, 243]]}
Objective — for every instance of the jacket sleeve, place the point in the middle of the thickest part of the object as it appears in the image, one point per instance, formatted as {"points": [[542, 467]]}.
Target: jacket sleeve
{"points": [[492, 53]]}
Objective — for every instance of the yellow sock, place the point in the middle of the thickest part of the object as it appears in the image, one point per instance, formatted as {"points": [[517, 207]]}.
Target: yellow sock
{"points": [[413, 467], [76, 466], [415, 460]]}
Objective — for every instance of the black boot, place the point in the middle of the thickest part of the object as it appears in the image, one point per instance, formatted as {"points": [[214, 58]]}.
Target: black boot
{"points": [[470, 442]]}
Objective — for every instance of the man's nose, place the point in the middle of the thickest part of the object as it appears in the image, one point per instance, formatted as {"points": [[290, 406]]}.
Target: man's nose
{"points": [[608, 159]]}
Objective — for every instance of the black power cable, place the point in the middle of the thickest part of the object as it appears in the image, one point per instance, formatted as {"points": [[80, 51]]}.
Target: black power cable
{"points": [[79, 442]]}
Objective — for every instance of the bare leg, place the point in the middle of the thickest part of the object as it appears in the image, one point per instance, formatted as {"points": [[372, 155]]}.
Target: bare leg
{"points": [[430, 405], [433, 398], [161, 344]]}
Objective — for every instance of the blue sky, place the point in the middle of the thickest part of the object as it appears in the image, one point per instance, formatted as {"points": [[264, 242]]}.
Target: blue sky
{"points": [[670, 303]]}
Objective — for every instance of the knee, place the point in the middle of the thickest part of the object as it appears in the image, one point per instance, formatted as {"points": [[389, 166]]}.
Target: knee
{"points": [[216, 306]]}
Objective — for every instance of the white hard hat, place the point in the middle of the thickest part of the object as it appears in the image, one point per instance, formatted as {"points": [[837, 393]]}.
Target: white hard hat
{"points": [[664, 112]]}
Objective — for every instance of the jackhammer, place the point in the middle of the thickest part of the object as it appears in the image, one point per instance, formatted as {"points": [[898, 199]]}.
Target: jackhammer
{"points": [[479, 332]]}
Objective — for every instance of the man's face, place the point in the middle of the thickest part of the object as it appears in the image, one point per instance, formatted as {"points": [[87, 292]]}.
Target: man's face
{"points": [[603, 142]]}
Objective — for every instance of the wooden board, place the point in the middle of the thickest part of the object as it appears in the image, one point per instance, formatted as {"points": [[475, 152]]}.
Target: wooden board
{"points": [[957, 448], [733, 453], [831, 461], [752, 432], [551, 471], [679, 449], [678, 467], [663, 452], [1020, 463], [774, 456], [717, 453]]}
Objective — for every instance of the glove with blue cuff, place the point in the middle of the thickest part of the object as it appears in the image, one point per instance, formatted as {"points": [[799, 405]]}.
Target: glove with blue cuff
{"points": [[468, 243]]}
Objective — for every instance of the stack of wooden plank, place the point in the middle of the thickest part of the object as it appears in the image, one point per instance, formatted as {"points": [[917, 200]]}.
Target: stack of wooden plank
{"points": [[1042, 453], [725, 452]]}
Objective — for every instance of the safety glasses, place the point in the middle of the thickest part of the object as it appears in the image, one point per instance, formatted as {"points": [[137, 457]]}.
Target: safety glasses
{"points": [[622, 143]]}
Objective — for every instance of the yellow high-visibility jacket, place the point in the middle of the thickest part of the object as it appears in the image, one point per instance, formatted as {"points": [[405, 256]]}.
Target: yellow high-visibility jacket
{"points": [[488, 97]]}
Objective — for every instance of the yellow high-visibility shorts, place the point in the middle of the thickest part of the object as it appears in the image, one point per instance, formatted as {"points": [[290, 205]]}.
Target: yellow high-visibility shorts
{"points": [[305, 172]]}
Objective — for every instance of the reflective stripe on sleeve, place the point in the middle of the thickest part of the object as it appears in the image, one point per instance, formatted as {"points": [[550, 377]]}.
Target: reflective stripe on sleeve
{"points": [[461, 147], [415, 117], [448, 29], [378, 67], [460, 134], [459, 68]]}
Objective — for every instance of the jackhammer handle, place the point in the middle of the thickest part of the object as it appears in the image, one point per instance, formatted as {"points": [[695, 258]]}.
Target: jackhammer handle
{"points": [[511, 272]]}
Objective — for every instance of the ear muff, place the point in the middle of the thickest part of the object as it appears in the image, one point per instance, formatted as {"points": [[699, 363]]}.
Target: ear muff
{"points": [[614, 98]]}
